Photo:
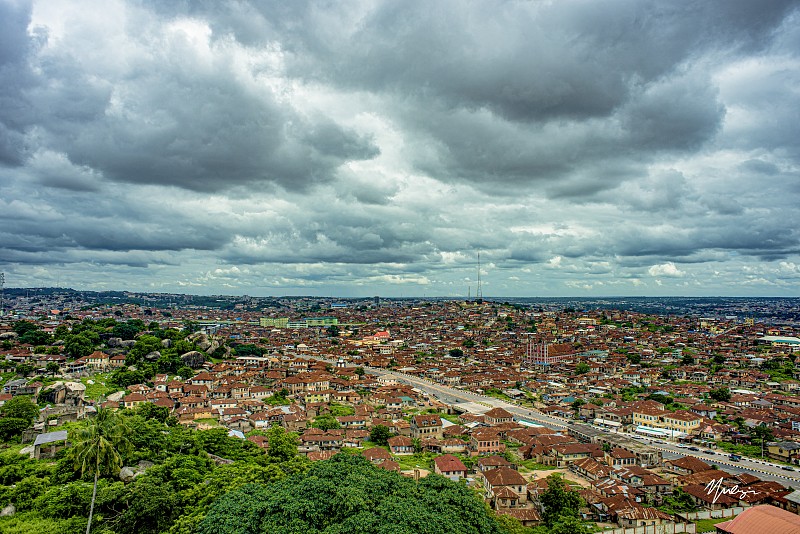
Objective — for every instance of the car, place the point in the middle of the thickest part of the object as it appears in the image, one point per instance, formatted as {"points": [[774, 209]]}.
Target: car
{"points": [[693, 449], [709, 452], [787, 468]]}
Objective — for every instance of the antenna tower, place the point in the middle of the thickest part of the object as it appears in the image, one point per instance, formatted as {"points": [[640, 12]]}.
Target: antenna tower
{"points": [[479, 292], [2, 294]]}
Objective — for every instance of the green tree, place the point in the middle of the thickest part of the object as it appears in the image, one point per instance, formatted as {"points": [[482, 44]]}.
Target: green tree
{"points": [[456, 353], [24, 369], [282, 444], [11, 427], [333, 331], [380, 434], [634, 358], [569, 525], [97, 447], [326, 422], [78, 345], [468, 343], [359, 371], [558, 502], [687, 359], [144, 346], [20, 407], [722, 394], [347, 494], [52, 368], [582, 368]]}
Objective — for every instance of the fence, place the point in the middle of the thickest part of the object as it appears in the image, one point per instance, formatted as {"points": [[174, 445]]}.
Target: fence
{"points": [[664, 528], [712, 514]]}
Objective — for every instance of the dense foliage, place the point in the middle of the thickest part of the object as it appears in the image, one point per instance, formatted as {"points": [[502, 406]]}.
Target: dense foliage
{"points": [[172, 495], [349, 495]]}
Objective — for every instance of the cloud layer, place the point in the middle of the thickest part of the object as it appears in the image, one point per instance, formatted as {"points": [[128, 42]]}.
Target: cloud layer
{"points": [[376, 147]]}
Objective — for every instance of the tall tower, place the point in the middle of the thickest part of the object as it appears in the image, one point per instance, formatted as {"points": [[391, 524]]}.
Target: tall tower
{"points": [[2, 294], [479, 291]]}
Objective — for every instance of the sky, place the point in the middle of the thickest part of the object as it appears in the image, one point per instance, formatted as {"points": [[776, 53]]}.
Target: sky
{"points": [[580, 148]]}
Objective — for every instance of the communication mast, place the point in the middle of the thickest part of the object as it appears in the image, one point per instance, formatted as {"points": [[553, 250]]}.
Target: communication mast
{"points": [[479, 291], [2, 294]]}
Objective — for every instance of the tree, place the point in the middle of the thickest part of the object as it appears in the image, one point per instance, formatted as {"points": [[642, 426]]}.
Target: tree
{"points": [[333, 331], [326, 422], [687, 359], [11, 427], [52, 368], [78, 345], [24, 369], [98, 447], [348, 494], [359, 371], [763, 433], [20, 407], [380, 434], [456, 353], [582, 368], [559, 502], [634, 358], [282, 444], [721, 394]]}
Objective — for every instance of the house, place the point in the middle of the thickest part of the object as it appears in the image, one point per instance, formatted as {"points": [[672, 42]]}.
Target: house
{"points": [[97, 361], [619, 457], [377, 455], [687, 465], [401, 445], [485, 441], [449, 466], [426, 426], [786, 451], [504, 477], [498, 416], [639, 516], [132, 400], [48, 444], [762, 518]]}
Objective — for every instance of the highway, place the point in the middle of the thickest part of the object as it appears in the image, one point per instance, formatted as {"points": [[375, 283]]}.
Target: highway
{"points": [[765, 470]]}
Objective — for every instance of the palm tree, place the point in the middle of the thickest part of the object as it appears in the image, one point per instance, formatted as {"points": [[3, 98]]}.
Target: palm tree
{"points": [[98, 447]]}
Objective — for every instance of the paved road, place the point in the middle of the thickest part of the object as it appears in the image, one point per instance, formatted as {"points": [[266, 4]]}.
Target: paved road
{"points": [[763, 469]]}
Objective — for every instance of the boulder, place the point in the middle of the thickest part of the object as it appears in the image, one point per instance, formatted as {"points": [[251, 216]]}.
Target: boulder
{"points": [[200, 340], [152, 356], [126, 474], [8, 510], [127, 343], [194, 359], [114, 342], [8, 335], [166, 343]]}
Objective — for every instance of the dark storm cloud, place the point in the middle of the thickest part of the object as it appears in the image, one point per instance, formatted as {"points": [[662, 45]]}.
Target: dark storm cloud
{"points": [[15, 78], [576, 144]]}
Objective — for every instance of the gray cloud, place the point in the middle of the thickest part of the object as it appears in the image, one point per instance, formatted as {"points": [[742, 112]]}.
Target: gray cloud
{"points": [[378, 146]]}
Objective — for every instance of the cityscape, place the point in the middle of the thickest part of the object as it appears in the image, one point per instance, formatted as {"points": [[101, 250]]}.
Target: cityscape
{"points": [[399, 267], [686, 420]]}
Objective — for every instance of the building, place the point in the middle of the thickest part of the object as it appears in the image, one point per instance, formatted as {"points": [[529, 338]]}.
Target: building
{"points": [[449, 466], [426, 426], [762, 519]]}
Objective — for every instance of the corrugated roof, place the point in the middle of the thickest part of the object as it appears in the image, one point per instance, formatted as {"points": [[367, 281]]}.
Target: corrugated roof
{"points": [[50, 437], [762, 519]]}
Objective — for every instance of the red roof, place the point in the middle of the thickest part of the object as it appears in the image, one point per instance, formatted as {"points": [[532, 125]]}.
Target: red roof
{"points": [[762, 519], [447, 463]]}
